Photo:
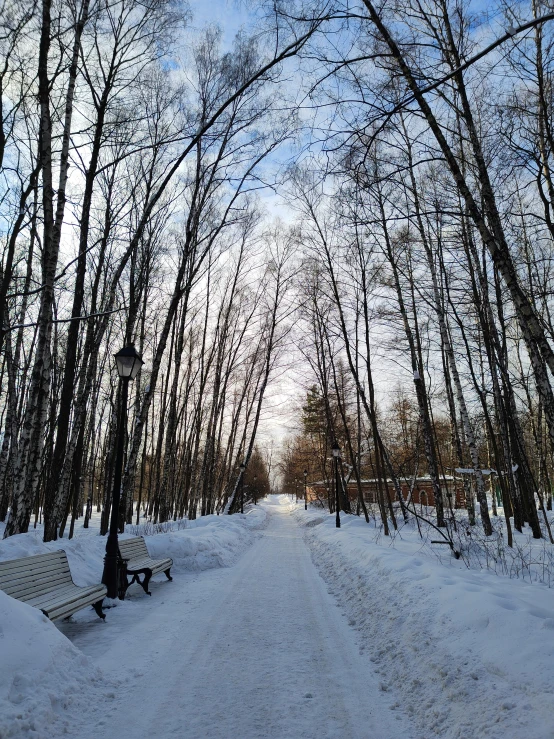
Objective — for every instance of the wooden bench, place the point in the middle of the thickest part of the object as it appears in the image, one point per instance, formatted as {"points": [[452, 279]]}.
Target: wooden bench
{"points": [[137, 561], [44, 581]]}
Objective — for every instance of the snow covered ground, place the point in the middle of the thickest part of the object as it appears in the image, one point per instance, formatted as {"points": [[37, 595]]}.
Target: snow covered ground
{"points": [[465, 652], [47, 684], [248, 641]]}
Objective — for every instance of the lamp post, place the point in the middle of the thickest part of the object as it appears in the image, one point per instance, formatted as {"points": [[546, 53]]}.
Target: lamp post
{"points": [[305, 490], [296, 490], [336, 454], [128, 364], [242, 469], [255, 495], [452, 516]]}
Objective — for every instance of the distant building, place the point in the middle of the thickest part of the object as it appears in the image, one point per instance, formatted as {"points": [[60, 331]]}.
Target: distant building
{"points": [[422, 493]]}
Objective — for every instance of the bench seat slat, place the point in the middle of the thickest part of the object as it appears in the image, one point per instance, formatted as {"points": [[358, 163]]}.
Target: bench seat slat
{"points": [[67, 609], [21, 589], [136, 542], [68, 603], [147, 559], [35, 579], [68, 596], [155, 567], [133, 545], [52, 596], [36, 575], [147, 562], [133, 540], [45, 565], [60, 593], [134, 555], [35, 559], [45, 569]]}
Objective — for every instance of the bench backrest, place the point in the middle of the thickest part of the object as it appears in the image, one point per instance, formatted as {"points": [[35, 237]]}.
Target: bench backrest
{"points": [[28, 577], [133, 548]]}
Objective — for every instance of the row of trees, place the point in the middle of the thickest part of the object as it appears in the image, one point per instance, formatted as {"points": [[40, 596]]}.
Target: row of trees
{"points": [[427, 238], [129, 215]]}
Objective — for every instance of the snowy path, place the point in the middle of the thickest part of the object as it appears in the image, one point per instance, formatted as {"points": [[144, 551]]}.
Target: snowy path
{"points": [[256, 650]]}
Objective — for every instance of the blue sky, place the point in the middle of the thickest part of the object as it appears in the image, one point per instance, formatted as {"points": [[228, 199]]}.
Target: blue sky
{"points": [[230, 15]]}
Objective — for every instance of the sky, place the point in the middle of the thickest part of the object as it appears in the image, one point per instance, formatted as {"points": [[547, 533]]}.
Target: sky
{"points": [[284, 395], [286, 391], [229, 14]]}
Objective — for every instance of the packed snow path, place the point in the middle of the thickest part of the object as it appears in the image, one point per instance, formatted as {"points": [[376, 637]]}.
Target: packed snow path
{"points": [[256, 650]]}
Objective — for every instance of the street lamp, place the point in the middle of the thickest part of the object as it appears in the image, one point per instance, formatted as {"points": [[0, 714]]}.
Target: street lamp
{"points": [[255, 492], [128, 364], [242, 469], [336, 454], [296, 490], [305, 490]]}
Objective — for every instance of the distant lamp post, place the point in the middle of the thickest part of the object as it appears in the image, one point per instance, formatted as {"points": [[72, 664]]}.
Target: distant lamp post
{"points": [[255, 496], [242, 469], [336, 454], [128, 364], [296, 490], [452, 516], [305, 490]]}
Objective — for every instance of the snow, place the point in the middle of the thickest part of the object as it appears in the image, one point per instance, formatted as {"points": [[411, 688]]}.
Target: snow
{"points": [[248, 641], [210, 541], [44, 678], [466, 653], [47, 683]]}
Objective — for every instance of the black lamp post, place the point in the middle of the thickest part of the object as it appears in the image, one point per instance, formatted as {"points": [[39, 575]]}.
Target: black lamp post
{"points": [[296, 490], [305, 490], [255, 496], [336, 454], [242, 469], [128, 364]]}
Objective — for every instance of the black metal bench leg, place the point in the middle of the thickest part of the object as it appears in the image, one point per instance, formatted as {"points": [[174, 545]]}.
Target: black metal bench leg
{"points": [[123, 582], [145, 581], [98, 608], [166, 573], [124, 586]]}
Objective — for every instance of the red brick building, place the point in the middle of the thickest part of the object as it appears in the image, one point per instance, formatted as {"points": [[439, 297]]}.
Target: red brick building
{"points": [[422, 492]]}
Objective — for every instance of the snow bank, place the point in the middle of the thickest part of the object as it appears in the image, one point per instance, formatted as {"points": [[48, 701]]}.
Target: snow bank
{"points": [[209, 541], [44, 679], [206, 542], [468, 653]]}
